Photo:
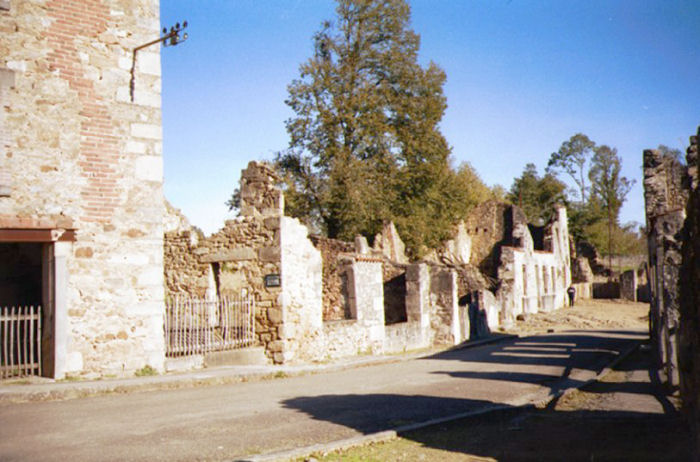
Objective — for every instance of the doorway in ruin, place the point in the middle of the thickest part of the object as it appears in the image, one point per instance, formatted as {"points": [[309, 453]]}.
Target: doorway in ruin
{"points": [[33, 294], [22, 298], [394, 294]]}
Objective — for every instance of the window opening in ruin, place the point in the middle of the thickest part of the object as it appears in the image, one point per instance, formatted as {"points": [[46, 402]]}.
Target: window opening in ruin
{"points": [[345, 297], [524, 281], [394, 296], [22, 295], [214, 282]]}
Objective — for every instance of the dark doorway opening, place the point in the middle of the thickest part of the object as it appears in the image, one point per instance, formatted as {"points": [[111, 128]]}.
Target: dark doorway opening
{"points": [[21, 274], [22, 297]]}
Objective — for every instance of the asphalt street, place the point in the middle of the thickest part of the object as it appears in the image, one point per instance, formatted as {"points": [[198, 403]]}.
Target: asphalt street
{"points": [[236, 420]]}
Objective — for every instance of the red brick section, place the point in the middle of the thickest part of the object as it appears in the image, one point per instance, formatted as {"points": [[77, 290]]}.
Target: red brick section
{"points": [[77, 25]]}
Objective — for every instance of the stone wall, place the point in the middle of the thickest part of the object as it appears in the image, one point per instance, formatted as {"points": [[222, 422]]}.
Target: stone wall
{"points": [[237, 258], [301, 292], [77, 154], [444, 311], [387, 306], [335, 303], [532, 280], [628, 285], [665, 200], [185, 274], [689, 335]]}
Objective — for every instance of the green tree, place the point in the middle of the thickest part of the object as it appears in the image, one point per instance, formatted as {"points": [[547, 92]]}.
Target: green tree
{"points": [[365, 145], [572, 158], [608, 187], [536, 195]]}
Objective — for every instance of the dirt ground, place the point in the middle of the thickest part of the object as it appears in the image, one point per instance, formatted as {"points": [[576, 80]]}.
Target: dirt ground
{"points": [[623, 417], [586, 314]]}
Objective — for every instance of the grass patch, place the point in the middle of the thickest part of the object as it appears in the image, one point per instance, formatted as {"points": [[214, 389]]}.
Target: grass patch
{"points": [[146, 371]]}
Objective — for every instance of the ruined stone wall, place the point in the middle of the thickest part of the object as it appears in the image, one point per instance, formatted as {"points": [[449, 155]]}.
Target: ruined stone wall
{"points": [[628, 285], [79, 153], [185, 274], [244, 251], [302, 290], [444, 312], [665, 201], [335, 303], [689, 335], [530, 280]]}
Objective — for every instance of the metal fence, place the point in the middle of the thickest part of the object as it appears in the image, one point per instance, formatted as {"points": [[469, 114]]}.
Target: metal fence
{"points": [[196, 326], [20, 341]]}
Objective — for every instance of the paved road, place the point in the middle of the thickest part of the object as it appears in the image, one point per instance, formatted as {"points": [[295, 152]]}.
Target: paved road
{"points": [[229, 421]]}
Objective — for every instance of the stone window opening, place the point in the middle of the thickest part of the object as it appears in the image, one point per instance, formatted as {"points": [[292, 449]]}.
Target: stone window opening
{"points": [[395, 297]]}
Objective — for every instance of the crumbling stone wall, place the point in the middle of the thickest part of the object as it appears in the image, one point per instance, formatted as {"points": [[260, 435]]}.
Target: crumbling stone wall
{"points": [[534, 280], [444, 311], [665, 201], [335, 303], [628, 285], [185, 274], [76, 153], [689, 335], [389, 244], [490, 226], [302, 291]]}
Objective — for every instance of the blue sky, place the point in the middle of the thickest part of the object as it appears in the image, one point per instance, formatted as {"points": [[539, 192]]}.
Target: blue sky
{"points": [[522, 77]]}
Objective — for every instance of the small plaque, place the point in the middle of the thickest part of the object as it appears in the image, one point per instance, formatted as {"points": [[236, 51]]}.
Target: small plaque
{"points": [[273, 280]]}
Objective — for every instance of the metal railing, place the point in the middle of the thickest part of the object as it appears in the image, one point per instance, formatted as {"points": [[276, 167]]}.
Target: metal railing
{"points": [[20, 341], [197, 326]]}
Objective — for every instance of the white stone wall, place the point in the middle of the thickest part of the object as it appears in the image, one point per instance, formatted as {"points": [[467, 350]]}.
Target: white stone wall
{"points": [[301, 291], [81, 154]]}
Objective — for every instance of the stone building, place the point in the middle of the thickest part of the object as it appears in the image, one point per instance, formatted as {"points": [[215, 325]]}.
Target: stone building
{"points": [[334, 299], [81, 203], [530, 265]]}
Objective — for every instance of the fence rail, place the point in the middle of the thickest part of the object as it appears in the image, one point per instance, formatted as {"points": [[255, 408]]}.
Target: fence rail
{"points": [[196, 326], [20, 341]]}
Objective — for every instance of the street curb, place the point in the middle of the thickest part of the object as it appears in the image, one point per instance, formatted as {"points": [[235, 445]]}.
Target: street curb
{"points": [[16, 393], [388, 435]]}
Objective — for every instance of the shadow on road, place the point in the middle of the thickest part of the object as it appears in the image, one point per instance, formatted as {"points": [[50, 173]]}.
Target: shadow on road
{"points": [[587, 432]]}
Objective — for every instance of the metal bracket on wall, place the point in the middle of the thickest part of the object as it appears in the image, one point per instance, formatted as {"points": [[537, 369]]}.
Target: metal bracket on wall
{"points": [[169, 38]]}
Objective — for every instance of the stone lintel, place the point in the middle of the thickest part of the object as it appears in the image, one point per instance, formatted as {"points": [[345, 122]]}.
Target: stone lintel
{"points": [[270, 254], [13, 222], [239, 254], [36, 235]]}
